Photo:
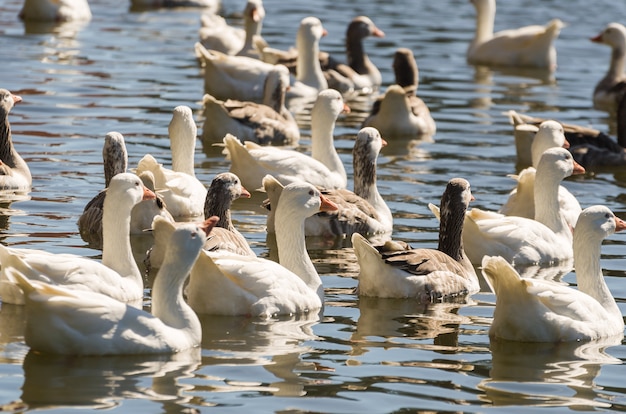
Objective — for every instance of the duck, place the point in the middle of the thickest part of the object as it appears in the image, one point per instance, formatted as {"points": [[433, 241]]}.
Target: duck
{"points": [[63, 321], [224, 283], [401, 116], [182, 192], [521, 199], [243, 78], [535, 310], [223, 190], [528, 46], [424, 274], [611, 87], [15, 175], [115, 161], [363, 211], [233, 77], [269, 123], [117, 275], [55, 10], [546, 239], [216, 34], [251, 162]]}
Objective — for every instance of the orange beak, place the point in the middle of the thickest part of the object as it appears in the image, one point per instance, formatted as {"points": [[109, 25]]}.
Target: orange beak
{"points": [[578, 169], [327, 205], [148, 194], [244, 193], [208, 224]]}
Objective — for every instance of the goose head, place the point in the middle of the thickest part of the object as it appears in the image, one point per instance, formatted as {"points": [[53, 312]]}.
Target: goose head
{"points": [[598, 220], [114, 156], [224, 189], [327, 107], [560, 162], [127, 187], [183, 131], [613, 35], [549, 135], [187, 240], [253, 15], [7, 101], [309, 32], [361, 27], [302, 200]]}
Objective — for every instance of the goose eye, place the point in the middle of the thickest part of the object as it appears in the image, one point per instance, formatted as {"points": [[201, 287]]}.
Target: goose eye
{"points": [[311, 192]]}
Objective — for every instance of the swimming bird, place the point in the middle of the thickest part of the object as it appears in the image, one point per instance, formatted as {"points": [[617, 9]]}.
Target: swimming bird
{"points": [[535, 310], [611, 87], [423, 274], [14, 172], [68, 322], [528, 46], [55, 10]]}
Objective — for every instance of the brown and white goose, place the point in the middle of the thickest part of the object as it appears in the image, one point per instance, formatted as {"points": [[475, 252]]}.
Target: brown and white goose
{"points": [[269, 123], [423, 274], [14, 172], [363, 211]]}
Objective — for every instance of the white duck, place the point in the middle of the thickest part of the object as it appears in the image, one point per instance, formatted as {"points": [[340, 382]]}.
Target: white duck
{"points": [[116, 276], [14, 172], [252, 162], [528, 46], [423, 274], [233, 77], [227, 284], [64, 321], [363, 211], [115, 161], [401, 116], [521, 201], [267, 123], [532, 310], [55, 10], [224, 189], [520, 240], [611, 87], [216, 34], [182, 192]]}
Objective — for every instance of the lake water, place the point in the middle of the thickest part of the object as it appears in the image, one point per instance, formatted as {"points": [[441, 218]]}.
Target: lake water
{"points": [[125, 71]]}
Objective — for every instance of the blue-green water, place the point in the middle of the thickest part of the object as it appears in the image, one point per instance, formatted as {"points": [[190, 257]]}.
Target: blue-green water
{"points": [[126, 71]]}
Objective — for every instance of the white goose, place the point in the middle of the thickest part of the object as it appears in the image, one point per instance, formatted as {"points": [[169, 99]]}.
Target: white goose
{"points": [[67, 322], [224, 189], [520, 240], [116, 276], [14, 172], [115, 161], [521, 201], [528, 46], [252, 162], [55, 10], [211, 6], [182, 192], [227, 284], [532, 310], [216, 34], [267, 123], [423, 274], [611, 87], [363, 211]]}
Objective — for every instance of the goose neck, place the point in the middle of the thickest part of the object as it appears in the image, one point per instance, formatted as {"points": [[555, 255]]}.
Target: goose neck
{"points": [[8, 154], [291, 244], [485, 17], [547, 208], [116, 248], [168, 303], [451, 231], [322, 144], [589, 275]]}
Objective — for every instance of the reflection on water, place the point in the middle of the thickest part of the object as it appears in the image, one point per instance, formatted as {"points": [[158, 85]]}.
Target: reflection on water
{"points": [[103, 382], [519, 369]]}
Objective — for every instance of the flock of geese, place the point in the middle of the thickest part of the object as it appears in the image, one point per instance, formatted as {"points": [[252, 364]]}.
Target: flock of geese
{"points": [[76, 305]]}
